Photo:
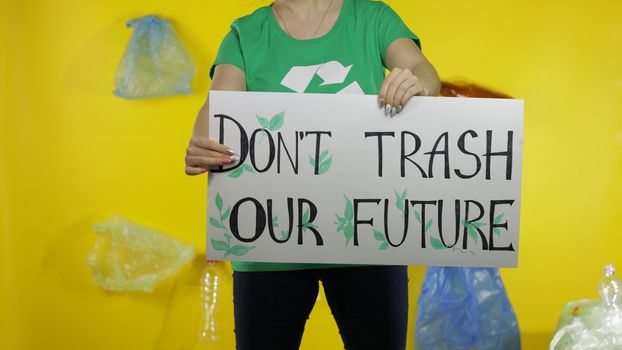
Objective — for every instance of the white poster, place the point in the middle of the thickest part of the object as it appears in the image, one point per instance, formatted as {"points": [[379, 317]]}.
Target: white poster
{"points": [[330, 179]]}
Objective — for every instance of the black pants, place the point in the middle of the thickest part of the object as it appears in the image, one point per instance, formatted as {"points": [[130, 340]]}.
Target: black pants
{"points": [[370, 306]]}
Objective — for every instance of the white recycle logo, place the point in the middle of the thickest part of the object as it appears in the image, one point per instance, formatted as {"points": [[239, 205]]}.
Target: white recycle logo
{"points": [[332, 72]]}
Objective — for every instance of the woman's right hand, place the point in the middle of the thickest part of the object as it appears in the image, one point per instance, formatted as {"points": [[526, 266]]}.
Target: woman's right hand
{"points": [[203, 153]]}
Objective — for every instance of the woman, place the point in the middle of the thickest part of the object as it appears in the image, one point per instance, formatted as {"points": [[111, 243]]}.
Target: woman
{"points": [[316, 46]]}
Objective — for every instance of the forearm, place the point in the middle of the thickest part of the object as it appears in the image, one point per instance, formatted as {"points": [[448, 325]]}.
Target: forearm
{"points": [[404, 54], [428, 77], [202, 152], [201, 124], [227, 77]]}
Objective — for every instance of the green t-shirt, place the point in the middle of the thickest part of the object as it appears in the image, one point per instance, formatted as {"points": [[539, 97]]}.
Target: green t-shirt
{"points": [[349, 59]]}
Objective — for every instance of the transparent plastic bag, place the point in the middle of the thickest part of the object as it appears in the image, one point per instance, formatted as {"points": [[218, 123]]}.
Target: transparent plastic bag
{"points": [[464, 309], [130, 257], [155, 63], [593, 324]]}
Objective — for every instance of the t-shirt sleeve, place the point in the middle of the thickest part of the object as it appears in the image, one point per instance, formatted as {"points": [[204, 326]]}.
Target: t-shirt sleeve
{"points": [[229, 52], [390, 28]]}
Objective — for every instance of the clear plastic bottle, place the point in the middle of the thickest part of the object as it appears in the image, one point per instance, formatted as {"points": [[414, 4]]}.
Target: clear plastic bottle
{"points": [[210, 292], [610, 289]]}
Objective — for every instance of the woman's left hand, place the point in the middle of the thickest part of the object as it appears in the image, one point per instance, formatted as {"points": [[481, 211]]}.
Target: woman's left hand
{"points": [[397, 88]]}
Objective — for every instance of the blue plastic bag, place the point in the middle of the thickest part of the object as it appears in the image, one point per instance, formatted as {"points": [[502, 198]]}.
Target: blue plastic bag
{"points": [[155, 63], [464, 309]]}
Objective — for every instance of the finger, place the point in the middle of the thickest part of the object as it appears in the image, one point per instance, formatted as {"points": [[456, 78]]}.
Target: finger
{"points": [[382, 93], [204, 152], [206, 162], [399, 82], [204, 142], [403, 89], [411, 91], [190, 170]]}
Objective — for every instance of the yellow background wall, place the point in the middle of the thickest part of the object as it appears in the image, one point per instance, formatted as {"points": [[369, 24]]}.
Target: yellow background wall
{"points": [[72, 153]]}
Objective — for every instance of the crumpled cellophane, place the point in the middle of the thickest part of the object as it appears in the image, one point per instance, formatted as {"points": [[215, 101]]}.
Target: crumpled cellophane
{"points": [[130, 257], [156, 62], [588, 325], [593, 324]]}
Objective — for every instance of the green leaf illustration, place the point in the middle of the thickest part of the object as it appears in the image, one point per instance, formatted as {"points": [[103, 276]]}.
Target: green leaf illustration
{"points": [[325, 165], [218, 201], [340, 219], [427, 226], [436, 243], [472, 233], [497, 219], [248, 168], [309, 225], [239, 250], [225, 216], [398, 201], [262, 135], [220, 245], [236, 173], [275, 221], [348, 231], [472, 229], [383, 246], [348, 211], [379, 236], [215, 222], [344, 224], [323, 154], [417, 216], [497, 231], [263, 121], [284, 234], [276, 121], [305, 221]]}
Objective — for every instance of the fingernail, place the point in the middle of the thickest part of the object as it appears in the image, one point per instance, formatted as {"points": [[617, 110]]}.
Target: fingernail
{"points": [[387, 109], [204, 170], [393, 111], [399, 109], [234, 158], [226, 161], [381, 103], [231, 152]]}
